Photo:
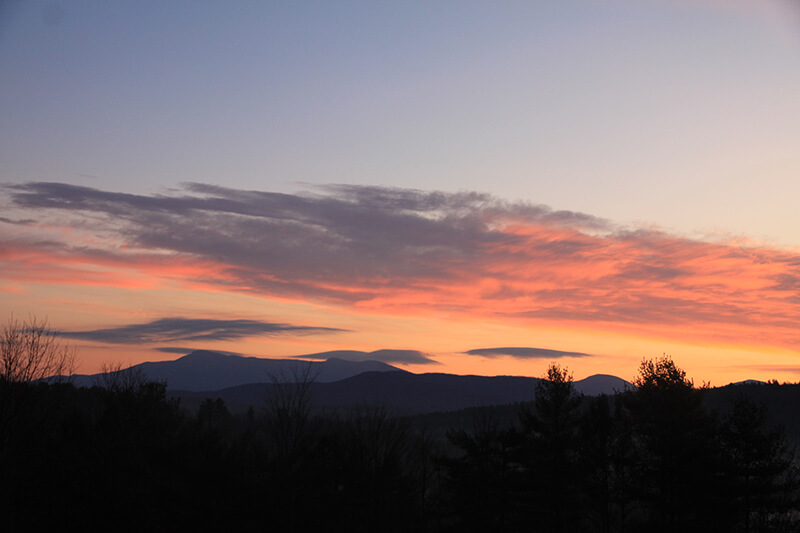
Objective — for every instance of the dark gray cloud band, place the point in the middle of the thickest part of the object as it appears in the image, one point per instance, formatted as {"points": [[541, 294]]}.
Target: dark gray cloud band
{"points": [[525, 353], [313, 245], [192, 329], [403, 357], [184, 351]]}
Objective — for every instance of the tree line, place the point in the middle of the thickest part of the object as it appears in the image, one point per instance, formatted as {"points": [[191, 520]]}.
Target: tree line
{"points": [[651, 458], [121, 455]]}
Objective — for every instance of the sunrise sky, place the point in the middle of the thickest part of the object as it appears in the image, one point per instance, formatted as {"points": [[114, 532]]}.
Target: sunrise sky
{"points": [[470, 187]]}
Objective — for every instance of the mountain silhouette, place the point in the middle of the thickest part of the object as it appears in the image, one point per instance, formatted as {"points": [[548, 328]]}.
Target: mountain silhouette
{"points": [[404, 392], [601, 384], [339, 383], [204, 370]]}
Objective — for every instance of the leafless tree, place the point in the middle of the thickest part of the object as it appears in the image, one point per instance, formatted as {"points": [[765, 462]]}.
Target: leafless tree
{"points": [[289, 434], [30, 354], [116, 378], [31, 351], [288, 410]]}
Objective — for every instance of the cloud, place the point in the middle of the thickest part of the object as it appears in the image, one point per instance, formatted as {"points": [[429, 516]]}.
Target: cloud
{"points": [[525, 353], [776, 369], [191, 329], [185, 351], [403, 357], [168, 349], [24, 222], [401, 251]]}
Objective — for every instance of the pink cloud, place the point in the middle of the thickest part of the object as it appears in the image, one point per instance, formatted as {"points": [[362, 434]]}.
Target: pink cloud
{"points": [[410, 252]]}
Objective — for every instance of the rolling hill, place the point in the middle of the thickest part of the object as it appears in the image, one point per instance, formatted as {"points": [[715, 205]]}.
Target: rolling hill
{"points": [[338, 383], [404, 392]]}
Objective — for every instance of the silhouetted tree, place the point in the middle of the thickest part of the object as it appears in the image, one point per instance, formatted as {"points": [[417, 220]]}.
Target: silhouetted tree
{"points": [[760, 475], [426, 475], [31, 357], [597, 439], [213, 416], [478, 479], [375, 485], [677, 449], [288, 412], [624, 458], [30, 352], [549, 451], [115, 377], [290, 443]]}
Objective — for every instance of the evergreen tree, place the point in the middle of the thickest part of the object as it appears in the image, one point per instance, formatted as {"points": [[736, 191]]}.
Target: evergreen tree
{"points": [[549, 452], [760, 478], [478, 480], [677, 457], [597, 434]]}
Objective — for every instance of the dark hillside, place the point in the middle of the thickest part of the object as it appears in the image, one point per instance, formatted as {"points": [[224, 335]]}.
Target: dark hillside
{"points": [[782, 402]]}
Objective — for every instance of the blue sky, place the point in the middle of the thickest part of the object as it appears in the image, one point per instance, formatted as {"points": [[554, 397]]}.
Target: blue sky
{"points": [[675, 113]]}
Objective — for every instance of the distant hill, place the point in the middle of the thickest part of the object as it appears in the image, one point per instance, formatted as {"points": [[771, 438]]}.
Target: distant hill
{"points": [[204, 370], [781, 401], [601, 384], [406, 393]]}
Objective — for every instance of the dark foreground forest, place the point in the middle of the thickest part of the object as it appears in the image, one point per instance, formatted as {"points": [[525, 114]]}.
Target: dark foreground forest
{"points": [[120, 456]]}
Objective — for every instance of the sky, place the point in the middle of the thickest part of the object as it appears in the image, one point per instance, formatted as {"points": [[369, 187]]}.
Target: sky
{"points": [[462, 187]]}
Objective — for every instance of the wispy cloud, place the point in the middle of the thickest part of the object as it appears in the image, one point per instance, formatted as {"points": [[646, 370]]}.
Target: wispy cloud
{"points": [[398, 251], [185, 351], [403, 357], [24, 222], [772, 369], [191, 329], [525, 353]]}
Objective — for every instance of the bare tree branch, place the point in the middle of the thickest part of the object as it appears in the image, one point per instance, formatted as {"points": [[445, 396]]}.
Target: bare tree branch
{"points": [[116, 378], [31, 351]]}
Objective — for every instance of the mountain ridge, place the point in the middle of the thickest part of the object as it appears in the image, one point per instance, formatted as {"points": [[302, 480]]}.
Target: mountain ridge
{"points": [[341, 383], [206, 370], [407, 393]]}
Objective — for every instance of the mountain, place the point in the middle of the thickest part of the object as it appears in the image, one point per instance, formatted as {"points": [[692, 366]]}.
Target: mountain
{"points": [[749, 382], [204, 370], [781, 402], [601, 384], [338, 383], [404, 392]]}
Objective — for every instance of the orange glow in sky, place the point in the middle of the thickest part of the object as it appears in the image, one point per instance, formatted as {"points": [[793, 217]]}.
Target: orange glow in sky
{"points": [[465, 276], [596, 182]]}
